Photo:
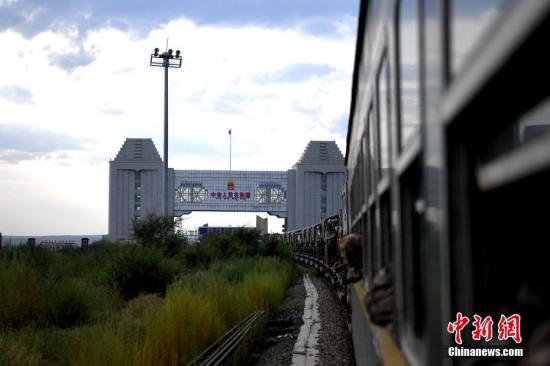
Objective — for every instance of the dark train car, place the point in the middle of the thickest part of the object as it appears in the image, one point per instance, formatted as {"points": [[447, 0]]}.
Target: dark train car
{"points": [[448, 172], [317, 240], [329, 241]]}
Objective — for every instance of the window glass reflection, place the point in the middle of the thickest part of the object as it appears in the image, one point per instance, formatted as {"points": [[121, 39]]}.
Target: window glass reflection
{"points": [[366, 164], [384, 124], [409, 69], [372, 151], [470, 18], [535, 124]]}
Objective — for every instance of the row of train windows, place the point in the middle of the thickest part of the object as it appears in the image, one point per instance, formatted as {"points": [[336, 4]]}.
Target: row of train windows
{"points": [[373, 162], [375, 233], [470, 21], [374, 157]]}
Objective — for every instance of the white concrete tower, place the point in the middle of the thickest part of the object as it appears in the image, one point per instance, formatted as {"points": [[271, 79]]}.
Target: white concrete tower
{"points": [[135, 186]]}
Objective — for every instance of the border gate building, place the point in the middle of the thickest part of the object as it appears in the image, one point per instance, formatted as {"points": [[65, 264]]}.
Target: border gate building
{"points": [[303, 195]]}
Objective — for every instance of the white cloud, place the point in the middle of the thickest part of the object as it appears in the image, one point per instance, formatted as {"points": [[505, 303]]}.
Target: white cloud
{"points": [[117, 95], [7, 2]]}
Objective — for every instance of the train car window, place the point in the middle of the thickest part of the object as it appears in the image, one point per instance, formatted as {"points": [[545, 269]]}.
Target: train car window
{"points": [[372, 259], [366, 165], [534, 124], [530, 126], [373, 144], [368, 157], [504, 234], [361, 175], [385, 229], [413, 268], [470, 20], [522, 287], [363, 232], [352, 197], [357, 185], [383, 99], [409, 70]]}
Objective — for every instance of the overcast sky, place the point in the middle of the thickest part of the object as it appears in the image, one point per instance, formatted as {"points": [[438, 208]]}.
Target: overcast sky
{"points": [[76, 82]]}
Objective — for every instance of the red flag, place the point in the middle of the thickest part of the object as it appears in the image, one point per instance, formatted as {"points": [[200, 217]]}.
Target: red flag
{"points": [[230, 131]]}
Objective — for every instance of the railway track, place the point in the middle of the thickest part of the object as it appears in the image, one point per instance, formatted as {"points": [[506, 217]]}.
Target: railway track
{"points": [[221, 351]]}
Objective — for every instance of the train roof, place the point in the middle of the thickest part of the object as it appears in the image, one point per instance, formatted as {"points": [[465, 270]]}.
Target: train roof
{"points": [[361, 24]]}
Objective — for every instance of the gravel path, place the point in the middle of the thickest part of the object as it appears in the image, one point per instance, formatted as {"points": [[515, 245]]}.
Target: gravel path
{"points": [[275, 345], [335, 344]]}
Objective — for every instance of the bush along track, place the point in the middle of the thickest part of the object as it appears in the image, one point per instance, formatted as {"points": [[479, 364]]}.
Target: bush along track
{"points": [[157, 301]]}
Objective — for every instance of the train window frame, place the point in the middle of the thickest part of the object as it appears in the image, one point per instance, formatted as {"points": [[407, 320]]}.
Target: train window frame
{"points": [[384, 102], [366, 168], [371, 168], [506, 190], [406, 144], [372, 126], [408, 158], [412, 261], [360, 171], [457, 66], [386, 250], [380, 213]]}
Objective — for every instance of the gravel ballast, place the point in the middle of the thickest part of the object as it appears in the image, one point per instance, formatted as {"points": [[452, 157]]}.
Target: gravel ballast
{"points": [[275, 345], [335, 344]]}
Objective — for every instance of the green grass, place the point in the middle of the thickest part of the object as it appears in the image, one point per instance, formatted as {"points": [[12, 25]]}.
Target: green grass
{"points": [[134, 305]]}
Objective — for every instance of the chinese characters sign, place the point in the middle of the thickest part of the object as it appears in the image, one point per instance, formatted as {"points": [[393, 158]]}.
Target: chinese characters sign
{"points": [[507, 328], [230, 191], [231, 195]]}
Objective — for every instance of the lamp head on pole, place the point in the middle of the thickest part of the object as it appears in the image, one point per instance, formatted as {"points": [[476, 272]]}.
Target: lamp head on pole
{"points": [[165, 59]]}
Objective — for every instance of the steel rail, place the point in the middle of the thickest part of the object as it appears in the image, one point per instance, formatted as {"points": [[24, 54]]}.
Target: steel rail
{"points": [[224, 347]]}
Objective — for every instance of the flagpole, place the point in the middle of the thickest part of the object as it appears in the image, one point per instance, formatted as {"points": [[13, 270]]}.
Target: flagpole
{"points": [[230, 137]]}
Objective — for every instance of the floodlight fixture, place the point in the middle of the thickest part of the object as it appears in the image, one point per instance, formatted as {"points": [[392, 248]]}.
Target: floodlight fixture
{"points": [[166, 60]]}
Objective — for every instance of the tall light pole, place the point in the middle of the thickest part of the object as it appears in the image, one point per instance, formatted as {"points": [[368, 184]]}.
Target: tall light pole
{"points": [[167, 60]]}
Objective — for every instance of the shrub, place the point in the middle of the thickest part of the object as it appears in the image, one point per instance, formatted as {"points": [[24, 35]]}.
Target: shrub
{"points": [[274, 246], [220, 246], [141, 270], [196, 256], [201, 306], [37, 257], [69, 304], [246, 242], [156, 230], [22, 296], [242, 242], [14, 352], [185, 324]]}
